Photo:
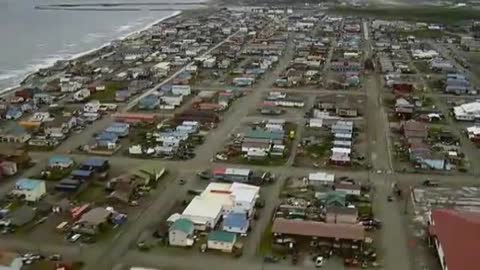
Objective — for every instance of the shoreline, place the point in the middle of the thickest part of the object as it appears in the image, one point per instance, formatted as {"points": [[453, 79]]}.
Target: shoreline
{"points": [[6, 91]]}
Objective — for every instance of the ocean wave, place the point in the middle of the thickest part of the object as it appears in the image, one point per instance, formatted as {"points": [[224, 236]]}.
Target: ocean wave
{"points": [[11, 79]]}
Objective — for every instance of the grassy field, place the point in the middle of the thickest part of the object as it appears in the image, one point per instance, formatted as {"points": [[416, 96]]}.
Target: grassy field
{"points": [[416, 13], [109, 93]]}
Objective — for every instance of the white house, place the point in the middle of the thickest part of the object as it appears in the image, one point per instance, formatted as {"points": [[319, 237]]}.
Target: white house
{"points": [[181, 90], [467, 112], [203, 212], [181, 233], [321, 178], [172, 100], [31, 189], [223, 241]]}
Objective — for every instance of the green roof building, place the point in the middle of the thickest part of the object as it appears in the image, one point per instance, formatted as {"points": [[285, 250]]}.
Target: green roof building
{"points": [[223, 241], [180, 233]]}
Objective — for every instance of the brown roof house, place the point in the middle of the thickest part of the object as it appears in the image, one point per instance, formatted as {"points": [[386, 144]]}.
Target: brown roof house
{"points": [[414, 130], [123, 189], [341, 215], [10, 261], [92, 221], [353, 232]]}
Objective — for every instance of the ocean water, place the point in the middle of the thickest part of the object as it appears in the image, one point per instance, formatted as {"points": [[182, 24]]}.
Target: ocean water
{"points": [[31, 38]]}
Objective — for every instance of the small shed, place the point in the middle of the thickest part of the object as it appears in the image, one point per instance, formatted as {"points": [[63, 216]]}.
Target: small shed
{"points": [[321, 178], [180, 233], [223, 241]]}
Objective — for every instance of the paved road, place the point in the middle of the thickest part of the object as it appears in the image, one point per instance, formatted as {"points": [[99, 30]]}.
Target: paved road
{"points": [[393, 245]]}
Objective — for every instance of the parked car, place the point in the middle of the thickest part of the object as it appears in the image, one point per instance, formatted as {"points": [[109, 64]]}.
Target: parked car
{"points": [[270, 259], [430, 183]]}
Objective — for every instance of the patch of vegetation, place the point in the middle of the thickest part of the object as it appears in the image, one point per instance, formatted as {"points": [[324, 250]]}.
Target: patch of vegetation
{"points": [[109, 93], [424, 13], [94, 193], [422, 66], [265, 247]]}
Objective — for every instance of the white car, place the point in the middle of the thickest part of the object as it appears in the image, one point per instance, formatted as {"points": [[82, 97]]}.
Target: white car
{"points": [[74, 237]]}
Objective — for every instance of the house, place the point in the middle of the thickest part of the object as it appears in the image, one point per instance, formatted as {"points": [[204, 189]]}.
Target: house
{"points": [[232, 174], [321, 179], [171, 100], [32, 190], [92, 221], [123, 188], [10, 261], [122, 95], [236, 222], [342, 215], [181, 232], [315, 229], [119, 129], [345, 66], [107, 140], [11, 132], [456, 237], [95, 164], [403, 108], [349, 189], [342, 127], [60, 162], [467, 112], [149, 102], [203, 212], [344, 110], [414, 130], [42, 98], [223, 241], [234, 197], [442, 66], [13, 113], [335, 198], [181, 90], [430, 160]]}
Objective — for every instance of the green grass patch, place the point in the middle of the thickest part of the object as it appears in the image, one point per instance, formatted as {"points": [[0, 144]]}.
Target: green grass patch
{"points": [[109, 93], [94, 193], [265, 247], [416, 13], [422, 66]]}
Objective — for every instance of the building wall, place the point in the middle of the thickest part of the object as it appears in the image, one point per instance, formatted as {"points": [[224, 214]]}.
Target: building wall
{"points": [[226, 247], [177, 238], [236, 229]]}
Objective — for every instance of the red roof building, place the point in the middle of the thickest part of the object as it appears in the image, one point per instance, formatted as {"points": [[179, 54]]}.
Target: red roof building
{"points": [[457, 238]]}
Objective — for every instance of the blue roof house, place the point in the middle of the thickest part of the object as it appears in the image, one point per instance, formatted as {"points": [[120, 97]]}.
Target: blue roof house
{"points": [[95, 164], [149, 102], [13, 113], [107, 140], [60, 162], [236, 223], [81, 174], [30, 189], [119, 129]]}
